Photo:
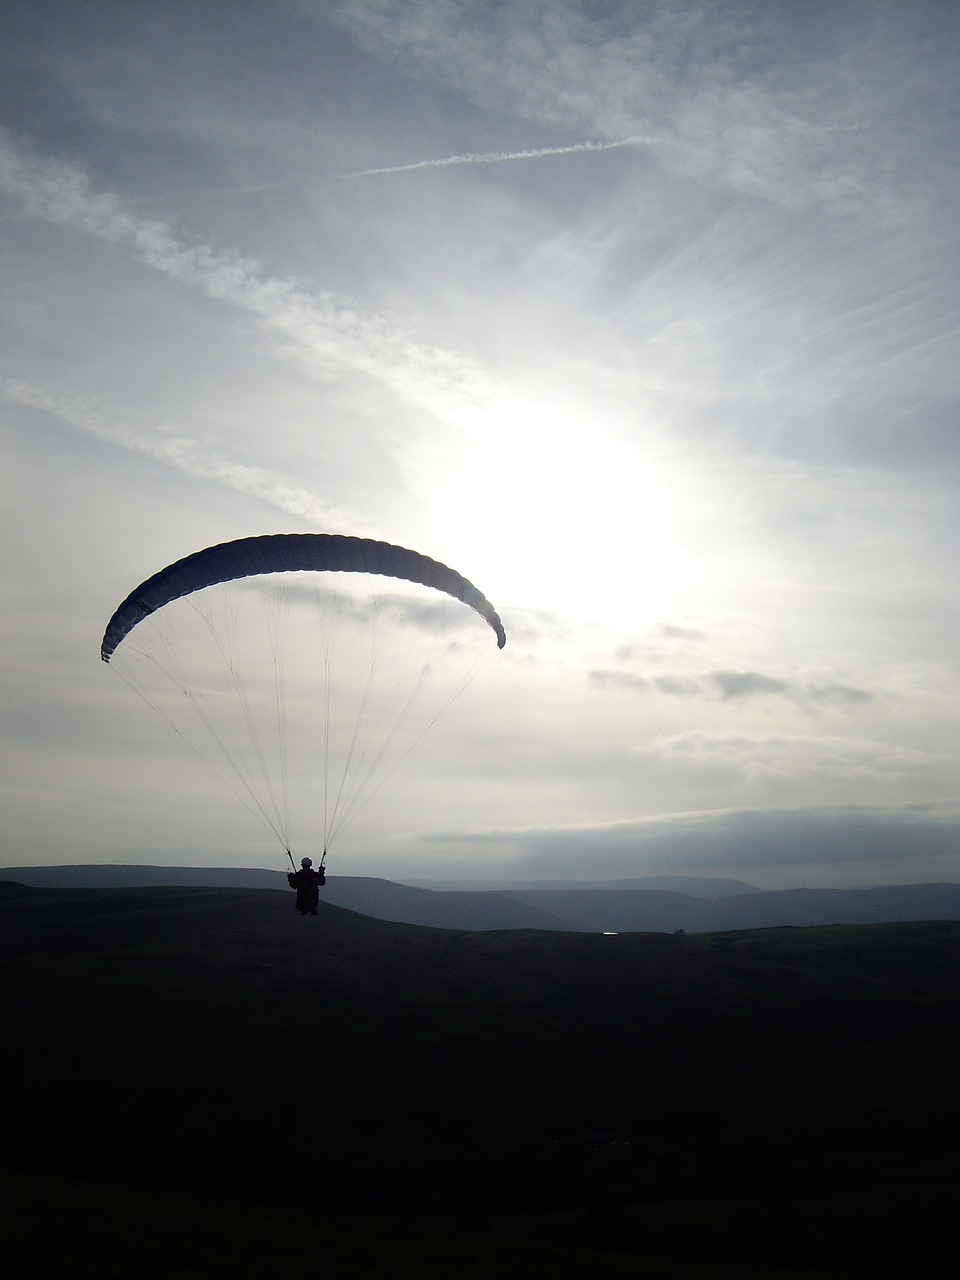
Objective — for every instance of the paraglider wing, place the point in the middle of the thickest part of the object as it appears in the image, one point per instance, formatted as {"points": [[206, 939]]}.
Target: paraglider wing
{"points": [[285, 553]]}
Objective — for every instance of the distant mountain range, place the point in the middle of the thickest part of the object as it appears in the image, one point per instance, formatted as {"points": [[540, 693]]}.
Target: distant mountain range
{"points": [[654, 905]]}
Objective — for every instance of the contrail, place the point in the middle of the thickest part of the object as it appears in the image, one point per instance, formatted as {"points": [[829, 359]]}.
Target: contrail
{"points": [[498, 157]]}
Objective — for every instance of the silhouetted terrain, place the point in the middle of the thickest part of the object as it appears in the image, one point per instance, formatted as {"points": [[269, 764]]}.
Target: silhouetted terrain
{"points": [[212, 1044], [649, 905]]}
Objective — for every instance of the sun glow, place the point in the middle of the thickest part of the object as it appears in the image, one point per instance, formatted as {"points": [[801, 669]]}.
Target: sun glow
{"points": [[549, 513]]}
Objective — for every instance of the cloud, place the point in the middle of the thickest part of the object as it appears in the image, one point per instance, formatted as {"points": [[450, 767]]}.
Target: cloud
{"points": [[618, 680], [662, 639], [320, 334], [777, 842], [187, 456], [696, 79], [746, 684], [500, 157], [799, 757], [670, 631], [823, 291], [734, 686]]}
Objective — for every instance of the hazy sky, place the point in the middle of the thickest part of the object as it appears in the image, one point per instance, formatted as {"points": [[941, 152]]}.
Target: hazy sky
{"points": [[644, 316]]}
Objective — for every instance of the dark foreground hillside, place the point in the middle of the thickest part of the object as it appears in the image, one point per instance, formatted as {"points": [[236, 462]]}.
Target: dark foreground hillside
{"points": [[762, 1103]]}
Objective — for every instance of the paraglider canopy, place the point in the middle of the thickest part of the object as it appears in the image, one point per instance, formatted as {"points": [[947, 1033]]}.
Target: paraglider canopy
{"points": [[285, 553]]}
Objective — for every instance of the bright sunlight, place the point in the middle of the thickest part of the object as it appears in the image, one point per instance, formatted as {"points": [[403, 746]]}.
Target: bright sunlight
{"points": [[550, 513]]}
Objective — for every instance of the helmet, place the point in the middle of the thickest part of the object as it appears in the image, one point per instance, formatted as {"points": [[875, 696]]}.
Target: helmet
{"points": [[306, 862]]}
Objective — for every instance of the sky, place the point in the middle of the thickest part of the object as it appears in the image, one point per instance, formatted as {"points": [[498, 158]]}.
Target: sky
{"points": [[642, 316]]}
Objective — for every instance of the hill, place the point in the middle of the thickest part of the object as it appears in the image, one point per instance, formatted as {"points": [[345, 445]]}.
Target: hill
{"points": [[655, 904], [212, 1043]]}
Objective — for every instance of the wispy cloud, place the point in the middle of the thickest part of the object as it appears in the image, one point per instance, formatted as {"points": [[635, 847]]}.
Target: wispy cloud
{"points": [[501, 157], [184, 455], [796, 756], [315, 330], [725, 119], [732, 841], [734, 686]]}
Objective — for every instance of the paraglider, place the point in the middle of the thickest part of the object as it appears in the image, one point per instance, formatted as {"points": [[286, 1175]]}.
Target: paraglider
{"points": [[301, 661], [308, 884]]}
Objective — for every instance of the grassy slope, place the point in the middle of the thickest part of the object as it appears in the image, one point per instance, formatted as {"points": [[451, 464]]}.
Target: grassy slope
{"points": [[214, 1045]]}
